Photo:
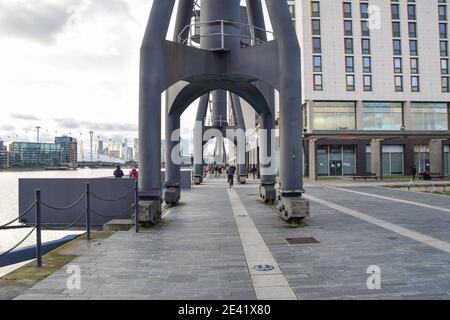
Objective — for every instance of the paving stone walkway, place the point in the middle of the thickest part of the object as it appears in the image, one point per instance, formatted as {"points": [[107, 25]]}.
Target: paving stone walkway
{"points": [[197, 253]]}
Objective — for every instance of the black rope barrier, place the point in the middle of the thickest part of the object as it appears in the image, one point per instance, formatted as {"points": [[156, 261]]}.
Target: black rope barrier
{"points": [[70, 206], [112, 216], [17, 245], [67, 226], [4, 227], [15, 227], [38, 204], [112, 200]]}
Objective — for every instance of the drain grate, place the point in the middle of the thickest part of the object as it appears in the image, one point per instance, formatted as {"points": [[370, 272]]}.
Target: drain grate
{"points": [[306, 240]]}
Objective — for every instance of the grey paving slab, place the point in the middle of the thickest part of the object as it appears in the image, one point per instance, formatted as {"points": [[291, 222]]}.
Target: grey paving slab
{"points": [[431, 222], [195, 253], [336, 267]]}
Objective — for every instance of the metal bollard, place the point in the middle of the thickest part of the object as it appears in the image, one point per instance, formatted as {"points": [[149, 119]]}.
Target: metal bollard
{"points": [[37, 196], [88, 211], [136, 205]]}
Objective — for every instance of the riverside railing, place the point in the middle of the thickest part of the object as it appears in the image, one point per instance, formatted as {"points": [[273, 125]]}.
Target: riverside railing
{"points": [[38, 205]]}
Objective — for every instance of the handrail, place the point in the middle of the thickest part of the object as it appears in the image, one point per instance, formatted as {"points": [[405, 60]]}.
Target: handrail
{"points": [[218, 120], [38, 204], [251, 37]]}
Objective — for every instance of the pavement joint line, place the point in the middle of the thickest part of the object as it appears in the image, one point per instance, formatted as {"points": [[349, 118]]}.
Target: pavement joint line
{"points": [[413, 191], [165, 214], [414, 235], [423, 205], [267, 285]]}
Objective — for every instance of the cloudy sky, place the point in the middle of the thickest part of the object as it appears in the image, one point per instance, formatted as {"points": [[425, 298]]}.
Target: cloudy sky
{"points": [[70, 66]]}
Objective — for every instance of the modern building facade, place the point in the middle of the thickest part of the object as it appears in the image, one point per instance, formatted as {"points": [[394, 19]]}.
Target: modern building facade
{"points": [[69, 150], [35, 154], [375, 87]]}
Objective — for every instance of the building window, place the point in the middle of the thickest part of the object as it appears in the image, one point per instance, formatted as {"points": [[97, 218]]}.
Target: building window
{"points": [[397, 47], [412, 27], [445, 84], [315, 9], [349, 64], [348, 45], [412, 12], [395, 11], [393, 163], [442, 13], [444, 66], [350, 82], [347, 6], [398, 65], [413, 47], [429, 116], [383, 115], [415, 84], [414, 66], [315, 27], [317, 45], [444, 48], [443, 30], [365, 46], [336, 160], [318, 84], [365, 30], [367, 83], [364, 10], [334, 115], [367, 65], [348, 27], [398, 83], [396, 29], [317, 61]]}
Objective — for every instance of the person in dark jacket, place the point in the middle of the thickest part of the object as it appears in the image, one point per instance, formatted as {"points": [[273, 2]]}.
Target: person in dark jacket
{"points": [[118, 173], [414, 171]]}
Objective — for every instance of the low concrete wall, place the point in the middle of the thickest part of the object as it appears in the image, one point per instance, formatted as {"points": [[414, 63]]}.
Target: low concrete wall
{"points": [[64, 192]]}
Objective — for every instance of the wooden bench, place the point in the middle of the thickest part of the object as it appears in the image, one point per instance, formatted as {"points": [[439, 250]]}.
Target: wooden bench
{"points": [[372, 177], [438, 176]]}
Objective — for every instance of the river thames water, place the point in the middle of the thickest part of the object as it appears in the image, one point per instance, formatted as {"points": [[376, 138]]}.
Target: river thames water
{"points": [[9, 183]]}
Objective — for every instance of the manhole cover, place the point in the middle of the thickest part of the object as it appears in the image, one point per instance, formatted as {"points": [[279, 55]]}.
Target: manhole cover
{"points": [[264, 267], [306, 240]]}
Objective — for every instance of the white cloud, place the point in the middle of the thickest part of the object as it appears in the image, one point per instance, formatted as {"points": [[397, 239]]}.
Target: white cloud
{"points": [[72, 60]]}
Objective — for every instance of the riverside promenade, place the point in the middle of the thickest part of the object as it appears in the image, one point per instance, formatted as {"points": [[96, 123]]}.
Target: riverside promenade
{"points": [[207, 248]]}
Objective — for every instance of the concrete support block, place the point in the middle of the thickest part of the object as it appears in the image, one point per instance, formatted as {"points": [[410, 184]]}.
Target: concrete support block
{"points": [[172, 195], [150, 212], [198, 179], [242, 179], [292, 209], [267, 193]]}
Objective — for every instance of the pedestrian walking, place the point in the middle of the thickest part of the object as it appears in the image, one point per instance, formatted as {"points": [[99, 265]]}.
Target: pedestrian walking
{"points": [[118, 173], [134, 174], [414, 171], [230, 175]]}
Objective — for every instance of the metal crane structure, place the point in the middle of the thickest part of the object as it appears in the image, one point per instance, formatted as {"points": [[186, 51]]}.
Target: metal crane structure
{"points": [[222, 52]]}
